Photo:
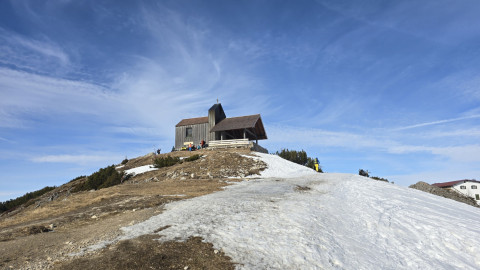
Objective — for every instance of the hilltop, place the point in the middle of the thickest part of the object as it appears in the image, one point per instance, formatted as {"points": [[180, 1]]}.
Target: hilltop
{"points": [[241, 209], [61, 222]]}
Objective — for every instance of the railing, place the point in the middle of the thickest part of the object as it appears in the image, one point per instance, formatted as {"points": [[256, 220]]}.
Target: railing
{"points": [[238, 143], [230, 143]]}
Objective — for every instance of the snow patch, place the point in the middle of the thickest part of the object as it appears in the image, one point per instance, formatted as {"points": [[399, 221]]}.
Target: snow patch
{"points": [[281, 168], [140, 170]]}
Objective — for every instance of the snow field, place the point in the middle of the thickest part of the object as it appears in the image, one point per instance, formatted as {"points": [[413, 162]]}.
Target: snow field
{"points": [[342, 221]]}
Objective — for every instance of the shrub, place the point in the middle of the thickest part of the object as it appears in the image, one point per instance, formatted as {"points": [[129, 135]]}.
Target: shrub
{"points": [[14, 203], [366, 173], [379, 179], [363, 172], [77, 178], [167, 161], [192, 158], [105, 177], [299, 157], [127, 176], [124, 161]]}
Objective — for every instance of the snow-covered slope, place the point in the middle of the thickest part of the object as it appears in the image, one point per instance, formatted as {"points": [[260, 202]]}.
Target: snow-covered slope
{"points": [[325, 221], [279, 167]]}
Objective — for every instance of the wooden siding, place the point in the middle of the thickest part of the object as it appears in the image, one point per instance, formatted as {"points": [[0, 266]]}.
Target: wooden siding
{"points": [[199, 133], [215, 115]]}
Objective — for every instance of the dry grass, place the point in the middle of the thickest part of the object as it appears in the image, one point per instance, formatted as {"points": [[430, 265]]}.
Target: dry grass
{"points": [[146, 253], [85, 218], [121, 197]]}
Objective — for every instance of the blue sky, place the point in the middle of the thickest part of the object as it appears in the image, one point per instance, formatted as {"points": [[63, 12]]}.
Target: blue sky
{"points": [[388, 86]]}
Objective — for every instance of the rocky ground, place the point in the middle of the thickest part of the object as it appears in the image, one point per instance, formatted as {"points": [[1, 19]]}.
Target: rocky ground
{"points": [[55, 231]]}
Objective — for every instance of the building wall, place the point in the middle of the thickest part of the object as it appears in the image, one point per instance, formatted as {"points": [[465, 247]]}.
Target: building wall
{"points": [[215, 115], [199, 133], [469, 189]]}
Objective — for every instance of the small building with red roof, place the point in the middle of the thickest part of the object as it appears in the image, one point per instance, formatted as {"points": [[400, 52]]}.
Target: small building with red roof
{"points": [[467, 187]]}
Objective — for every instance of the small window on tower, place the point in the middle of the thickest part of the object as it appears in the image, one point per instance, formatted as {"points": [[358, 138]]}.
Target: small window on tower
{"points": [[474, 186], [189, 132], [463, 187]]}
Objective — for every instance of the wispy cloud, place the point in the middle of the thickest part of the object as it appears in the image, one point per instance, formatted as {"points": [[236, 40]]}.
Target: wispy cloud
{"points": [[464, 153], [25, 95], [181, 78], [443, 25], [462, 133], [9, 194], [189, 70], [318, 137], [48, 49], [76, 159], [373, 142], [436, 176], [30, 53], [5, 140], [439, 122]]}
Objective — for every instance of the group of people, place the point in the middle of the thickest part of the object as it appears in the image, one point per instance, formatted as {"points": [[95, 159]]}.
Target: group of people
{"points": [[192, 147]]}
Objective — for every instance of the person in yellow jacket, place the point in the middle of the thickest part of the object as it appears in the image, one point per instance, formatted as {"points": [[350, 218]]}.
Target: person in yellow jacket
{"points": [[316, 164]]}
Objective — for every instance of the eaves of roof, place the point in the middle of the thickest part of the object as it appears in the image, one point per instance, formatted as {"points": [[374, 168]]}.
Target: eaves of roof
{"points": [[193, 121], [453, 183]]}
